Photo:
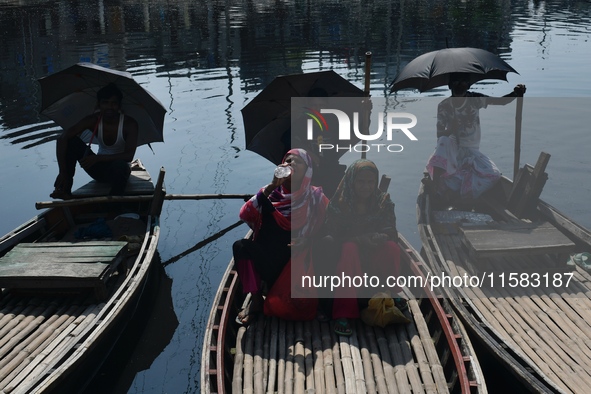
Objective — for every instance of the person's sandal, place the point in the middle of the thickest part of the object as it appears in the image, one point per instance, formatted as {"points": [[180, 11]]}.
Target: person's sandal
{"points": [[342, 327], [401, 303]]}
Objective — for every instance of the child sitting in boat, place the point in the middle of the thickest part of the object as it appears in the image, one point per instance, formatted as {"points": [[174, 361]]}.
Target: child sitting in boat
{"points": [[286, 206], [457, 168], [362, 235]]}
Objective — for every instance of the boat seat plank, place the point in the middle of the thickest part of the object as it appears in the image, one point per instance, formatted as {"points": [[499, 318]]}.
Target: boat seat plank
{"points": [[510, 239], [61, 265], [137, 184]]}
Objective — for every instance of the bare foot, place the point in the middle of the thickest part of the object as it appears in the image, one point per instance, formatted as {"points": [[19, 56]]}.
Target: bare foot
{"points": [[61, 194], [246, 315]]}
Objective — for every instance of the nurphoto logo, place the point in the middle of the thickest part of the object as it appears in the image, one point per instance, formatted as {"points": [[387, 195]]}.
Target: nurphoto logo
{"points": [[349, 131]]}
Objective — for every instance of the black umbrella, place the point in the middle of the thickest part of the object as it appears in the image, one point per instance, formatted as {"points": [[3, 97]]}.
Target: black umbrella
{"points": [[70, 94], [433, 69], [267, 117]]}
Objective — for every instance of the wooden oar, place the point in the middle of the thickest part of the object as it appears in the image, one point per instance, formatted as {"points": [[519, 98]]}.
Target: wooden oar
{"points": [[366, 93], [202, 243], [518, 116], [147, 197]]}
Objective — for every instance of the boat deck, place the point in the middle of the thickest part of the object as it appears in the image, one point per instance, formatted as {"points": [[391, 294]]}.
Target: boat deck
{"points": [[537, 315], [310, 357]]}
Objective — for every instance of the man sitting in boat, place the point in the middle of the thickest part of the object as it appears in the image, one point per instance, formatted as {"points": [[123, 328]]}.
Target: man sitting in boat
{"points": [[362, 237], [457, 168], [288, 206], [117, 136]]}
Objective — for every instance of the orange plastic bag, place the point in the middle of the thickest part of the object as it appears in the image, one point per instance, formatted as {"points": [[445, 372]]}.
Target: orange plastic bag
{"points": [[381, 311]]}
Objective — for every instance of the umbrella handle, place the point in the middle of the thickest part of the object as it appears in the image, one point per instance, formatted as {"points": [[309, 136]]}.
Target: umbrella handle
{"points": [[95, 129], [366, 91]]}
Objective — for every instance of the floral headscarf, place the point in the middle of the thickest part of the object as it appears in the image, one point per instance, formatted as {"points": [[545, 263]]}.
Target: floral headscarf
{"points": [[302, 210], [341, 218]]}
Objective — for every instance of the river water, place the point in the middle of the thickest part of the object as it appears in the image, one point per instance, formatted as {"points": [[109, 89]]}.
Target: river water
{"points": [[206, 60]]}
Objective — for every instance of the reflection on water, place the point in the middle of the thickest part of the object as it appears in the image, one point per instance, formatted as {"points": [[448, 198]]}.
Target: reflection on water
{"points": [[205, 60]]}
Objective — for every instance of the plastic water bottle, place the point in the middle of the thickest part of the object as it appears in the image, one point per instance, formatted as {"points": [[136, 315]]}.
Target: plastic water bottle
{"points": [[282, 172]]}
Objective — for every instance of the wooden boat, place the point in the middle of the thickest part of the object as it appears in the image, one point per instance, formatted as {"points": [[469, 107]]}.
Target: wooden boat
{"points": [[531, 311], [66, 298], [431, 354]]}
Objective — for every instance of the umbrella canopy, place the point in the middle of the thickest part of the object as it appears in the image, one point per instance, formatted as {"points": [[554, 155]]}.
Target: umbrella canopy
{"points": [[268, 116], [433, 69], [69, 95]]}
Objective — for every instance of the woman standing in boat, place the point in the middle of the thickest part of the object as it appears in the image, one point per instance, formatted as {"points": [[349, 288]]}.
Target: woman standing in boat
{"points": [[283, 216], [361, 226], [457, 168]]}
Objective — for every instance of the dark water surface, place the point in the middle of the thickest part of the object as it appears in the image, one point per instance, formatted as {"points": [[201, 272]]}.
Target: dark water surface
{"points": [[206, 59]]}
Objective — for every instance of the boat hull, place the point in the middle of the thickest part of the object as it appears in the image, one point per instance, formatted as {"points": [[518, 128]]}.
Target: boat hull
{"points": [[527, 330], [232, 354], [66, 331]]}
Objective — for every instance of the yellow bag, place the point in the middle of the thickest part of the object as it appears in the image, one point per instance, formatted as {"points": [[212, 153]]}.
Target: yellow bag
{"points": [[381, 311]]}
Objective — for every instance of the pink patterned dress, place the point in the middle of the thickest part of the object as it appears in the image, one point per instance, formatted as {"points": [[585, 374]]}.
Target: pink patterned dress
{"points": [[467, 171]]}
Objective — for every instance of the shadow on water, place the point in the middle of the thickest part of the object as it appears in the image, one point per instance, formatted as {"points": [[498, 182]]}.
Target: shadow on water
{"points": [[144, 339]]}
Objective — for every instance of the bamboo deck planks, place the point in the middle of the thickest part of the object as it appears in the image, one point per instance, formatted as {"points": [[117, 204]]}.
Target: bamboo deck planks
{"points": [[550, 327], [307, 357]]}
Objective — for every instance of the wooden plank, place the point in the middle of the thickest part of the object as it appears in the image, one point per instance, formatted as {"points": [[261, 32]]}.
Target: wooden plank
{"points": [[503, 240], [60, 264], [139, 182]]}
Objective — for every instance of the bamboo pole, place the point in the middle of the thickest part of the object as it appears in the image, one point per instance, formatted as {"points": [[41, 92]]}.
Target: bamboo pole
{"points": [[387, 362], [357, 362], [281, 365], [318, 358], [259, 385], [376, 361], [248, 387], [328, 362], [338, 366], [370, 383], [238, 362], [140, 198], [309, 359], [273, 356], [289, 358], [267, 343], [299, 360]]}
